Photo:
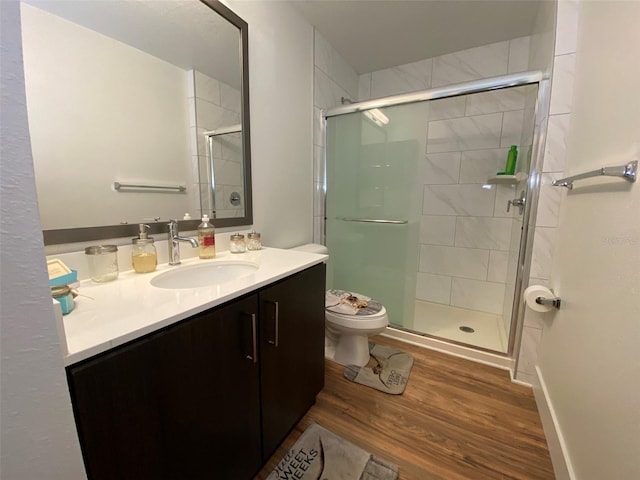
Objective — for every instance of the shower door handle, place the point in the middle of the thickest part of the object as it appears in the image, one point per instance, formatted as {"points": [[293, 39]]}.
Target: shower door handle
{"points": [[517, 202]]}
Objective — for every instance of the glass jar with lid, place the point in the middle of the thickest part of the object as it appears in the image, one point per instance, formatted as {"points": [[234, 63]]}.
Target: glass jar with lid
{"points": [[253, 241], [236, 243], [103, 262]]}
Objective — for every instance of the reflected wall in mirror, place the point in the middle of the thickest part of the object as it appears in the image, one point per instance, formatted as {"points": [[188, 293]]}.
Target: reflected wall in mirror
{"points": [[122, 97]]}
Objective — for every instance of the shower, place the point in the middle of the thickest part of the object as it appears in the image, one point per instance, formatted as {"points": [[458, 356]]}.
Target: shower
{"points": [[420, 213]]}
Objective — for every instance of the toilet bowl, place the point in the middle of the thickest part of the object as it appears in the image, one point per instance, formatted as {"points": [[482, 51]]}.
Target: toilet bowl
{"points": [[347, 335], [347, 331]]}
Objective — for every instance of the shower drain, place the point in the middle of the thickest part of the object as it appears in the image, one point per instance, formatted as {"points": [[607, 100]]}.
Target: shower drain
{"points": [[467, 329]]}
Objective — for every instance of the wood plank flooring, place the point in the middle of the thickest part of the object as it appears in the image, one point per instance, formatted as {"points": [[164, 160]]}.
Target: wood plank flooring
{"points": [[455, 420]]}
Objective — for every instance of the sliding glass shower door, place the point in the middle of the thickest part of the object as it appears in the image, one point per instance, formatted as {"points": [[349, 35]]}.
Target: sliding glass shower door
{"points": [[374, 198], [421, 215]]}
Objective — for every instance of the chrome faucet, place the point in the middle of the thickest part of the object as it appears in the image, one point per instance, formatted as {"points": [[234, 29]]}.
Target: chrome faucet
{"points": [[174, 245]]}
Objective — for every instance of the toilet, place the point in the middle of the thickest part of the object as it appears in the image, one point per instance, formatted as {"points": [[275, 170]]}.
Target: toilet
{"points": [[348, 323]]}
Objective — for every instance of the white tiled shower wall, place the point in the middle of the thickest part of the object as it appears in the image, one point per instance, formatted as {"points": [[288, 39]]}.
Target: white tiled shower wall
{"points": [[465, 229], [214, 104]]}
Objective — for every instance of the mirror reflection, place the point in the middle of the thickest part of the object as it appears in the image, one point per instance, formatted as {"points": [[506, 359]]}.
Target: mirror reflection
{"points": [[135, 112]]}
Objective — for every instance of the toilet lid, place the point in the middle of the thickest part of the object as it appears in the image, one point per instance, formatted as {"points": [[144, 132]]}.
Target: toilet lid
{"points": [[351, 303]]}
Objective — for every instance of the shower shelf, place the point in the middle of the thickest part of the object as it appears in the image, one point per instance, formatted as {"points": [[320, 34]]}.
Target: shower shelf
{"points": [[507, 179]]}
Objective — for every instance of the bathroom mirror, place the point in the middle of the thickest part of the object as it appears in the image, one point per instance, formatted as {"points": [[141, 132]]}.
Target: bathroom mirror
{"points": [[138, 112]]}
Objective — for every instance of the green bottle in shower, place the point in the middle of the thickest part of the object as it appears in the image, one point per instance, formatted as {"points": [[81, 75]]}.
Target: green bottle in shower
{"points": [[512, 156]]}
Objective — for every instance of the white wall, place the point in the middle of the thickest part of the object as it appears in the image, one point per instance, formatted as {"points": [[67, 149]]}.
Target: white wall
{"points": [[101, 111], [38, 432], [281, 101], [588, 358]]}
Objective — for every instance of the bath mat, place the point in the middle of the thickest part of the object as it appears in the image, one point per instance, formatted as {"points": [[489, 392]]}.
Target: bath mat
{"points": [[320, 454], [387, 370]]}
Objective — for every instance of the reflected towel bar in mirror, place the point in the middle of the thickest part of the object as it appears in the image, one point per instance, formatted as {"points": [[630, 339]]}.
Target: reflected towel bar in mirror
{"points": [[223, 131], [179, 188], [629, 172], [371, 220]]}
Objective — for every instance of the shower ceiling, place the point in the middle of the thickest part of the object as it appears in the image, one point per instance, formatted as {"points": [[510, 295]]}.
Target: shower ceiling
{"points": [[376, 34]]}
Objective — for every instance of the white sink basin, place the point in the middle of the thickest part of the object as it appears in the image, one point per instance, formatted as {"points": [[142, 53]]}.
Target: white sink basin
{"points": [[203, 275]]}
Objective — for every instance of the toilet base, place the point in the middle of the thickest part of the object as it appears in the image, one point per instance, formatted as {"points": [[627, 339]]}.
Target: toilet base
{"points": [[348, 350]]}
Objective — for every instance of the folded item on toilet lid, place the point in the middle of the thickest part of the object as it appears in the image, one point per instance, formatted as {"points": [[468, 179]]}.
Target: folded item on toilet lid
{"points": [[349, 303]]}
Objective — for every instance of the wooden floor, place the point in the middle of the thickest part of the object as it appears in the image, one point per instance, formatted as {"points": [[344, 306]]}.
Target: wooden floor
{"points": [[455, 420]]}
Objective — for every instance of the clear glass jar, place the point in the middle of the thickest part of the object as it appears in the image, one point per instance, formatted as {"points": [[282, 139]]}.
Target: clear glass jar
{"points": [[236, 243], [103, 262], [253, 241]]}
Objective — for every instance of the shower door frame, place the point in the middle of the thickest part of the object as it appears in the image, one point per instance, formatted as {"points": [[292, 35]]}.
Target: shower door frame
{"points": [[541, 114]]}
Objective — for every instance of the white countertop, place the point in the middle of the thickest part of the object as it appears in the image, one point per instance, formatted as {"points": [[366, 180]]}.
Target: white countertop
{"points": [[130, 307]]}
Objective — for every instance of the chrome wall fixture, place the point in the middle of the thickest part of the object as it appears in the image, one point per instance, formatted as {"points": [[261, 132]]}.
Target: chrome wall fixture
{"points": [[373, 220], [180, 188], [223, 131], [234, 199], [554, 302], [465, 88], [629, 172]]}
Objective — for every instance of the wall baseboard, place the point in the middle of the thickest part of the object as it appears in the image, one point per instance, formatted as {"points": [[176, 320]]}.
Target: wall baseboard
{"points": [[555, 441], [486, 358]]}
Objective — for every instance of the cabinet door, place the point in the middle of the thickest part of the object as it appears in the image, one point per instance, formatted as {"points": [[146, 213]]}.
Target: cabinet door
{"points": [[291, 352], [117, 414], [219, 435], [180, 404]]}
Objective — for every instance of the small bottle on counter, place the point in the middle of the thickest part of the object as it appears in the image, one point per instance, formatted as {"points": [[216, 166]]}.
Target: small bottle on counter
{"points": [[253, 241], [206, 238], [144, 257], [236, 243]]}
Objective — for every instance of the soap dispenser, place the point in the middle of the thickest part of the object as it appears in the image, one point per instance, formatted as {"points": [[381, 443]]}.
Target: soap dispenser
{"points": [[206, 238], [144, 257]]}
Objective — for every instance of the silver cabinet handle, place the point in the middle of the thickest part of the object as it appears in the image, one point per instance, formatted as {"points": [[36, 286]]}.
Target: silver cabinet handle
{"points": [[254, 338], [276, 339], [373, 220]]}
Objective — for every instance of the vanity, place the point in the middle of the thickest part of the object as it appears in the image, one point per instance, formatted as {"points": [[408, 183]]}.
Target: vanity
{"points": [[206, 382]]}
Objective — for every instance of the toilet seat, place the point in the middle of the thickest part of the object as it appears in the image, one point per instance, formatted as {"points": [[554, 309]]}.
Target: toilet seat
{"points": [[358, 322], [347, 331]]}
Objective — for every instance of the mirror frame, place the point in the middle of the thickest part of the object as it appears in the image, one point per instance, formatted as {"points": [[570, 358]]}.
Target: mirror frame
{"points": [[85, 234]]}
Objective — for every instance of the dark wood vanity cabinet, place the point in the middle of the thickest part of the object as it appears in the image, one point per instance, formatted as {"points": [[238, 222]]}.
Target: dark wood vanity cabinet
{"points": [[291, 352], [210, 397]]}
